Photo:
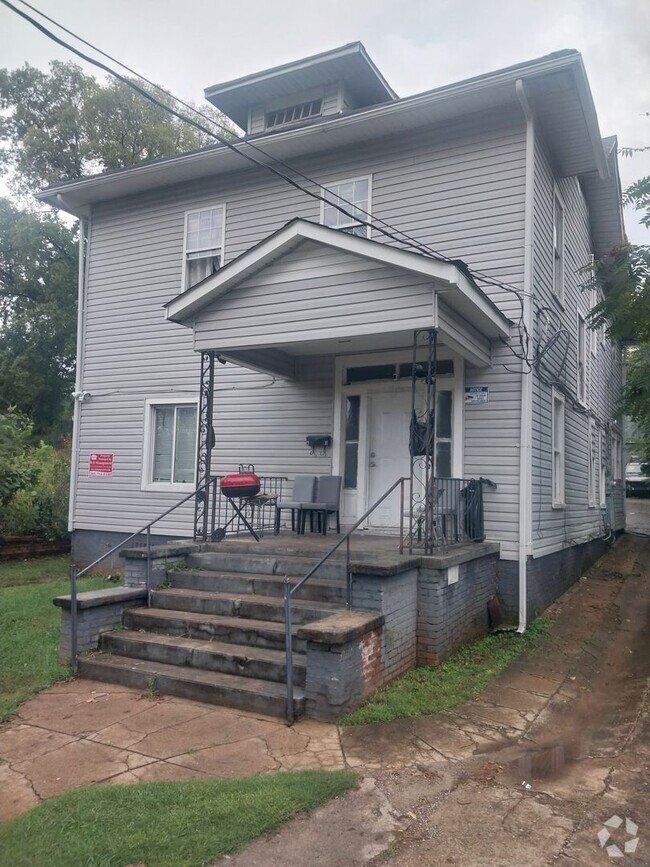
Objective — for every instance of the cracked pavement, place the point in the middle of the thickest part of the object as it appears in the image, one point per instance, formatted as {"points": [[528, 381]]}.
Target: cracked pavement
{"points": [[525, 774]]}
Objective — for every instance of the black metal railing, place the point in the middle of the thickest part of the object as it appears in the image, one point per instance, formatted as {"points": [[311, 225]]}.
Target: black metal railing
{"points": [[259, 510], [290, 590], [457, 513]]}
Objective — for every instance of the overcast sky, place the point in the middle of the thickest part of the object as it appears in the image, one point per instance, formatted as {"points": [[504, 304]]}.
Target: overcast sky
{"points": [[417, 44]]}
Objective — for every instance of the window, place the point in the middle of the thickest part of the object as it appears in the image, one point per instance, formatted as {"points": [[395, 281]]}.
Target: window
{"points": [[170, 445], [558, 248], [581, 361], [444, 402], [294, 113], [558, 448], [204, 239], [352, 407], [602, 449], [354, 197], [617, 458], [370, 372], [592, 468]]}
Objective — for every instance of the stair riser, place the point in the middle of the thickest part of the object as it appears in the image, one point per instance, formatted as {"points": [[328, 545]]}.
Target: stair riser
{"points": [[242, 607], [266, 565], [240, 583], [204, 659], [228, 697], [206, 631]]}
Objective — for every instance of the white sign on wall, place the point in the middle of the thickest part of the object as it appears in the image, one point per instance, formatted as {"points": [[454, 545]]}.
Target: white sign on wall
{"points": [[477, 394]]}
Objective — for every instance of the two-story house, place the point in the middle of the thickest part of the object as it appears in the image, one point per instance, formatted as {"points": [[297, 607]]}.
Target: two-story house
{"points": [[303, 257]]}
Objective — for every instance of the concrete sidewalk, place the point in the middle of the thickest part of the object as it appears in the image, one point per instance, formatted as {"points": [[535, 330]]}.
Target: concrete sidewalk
{"points": [[526, 774]]}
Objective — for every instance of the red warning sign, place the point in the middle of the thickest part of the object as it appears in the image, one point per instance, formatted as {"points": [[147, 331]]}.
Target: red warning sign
{"points": [[100, 464]]}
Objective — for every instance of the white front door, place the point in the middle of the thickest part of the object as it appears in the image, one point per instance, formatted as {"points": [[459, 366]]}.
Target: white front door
{"points": [[389, 415]]}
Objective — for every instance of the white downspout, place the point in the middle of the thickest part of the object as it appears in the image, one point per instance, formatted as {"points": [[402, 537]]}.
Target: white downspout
{"points": [[526, 423], [78, 392]]}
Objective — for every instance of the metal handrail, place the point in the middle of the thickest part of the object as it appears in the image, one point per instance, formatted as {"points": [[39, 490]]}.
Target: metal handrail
{"points": [[289, 589], [76, 573]]}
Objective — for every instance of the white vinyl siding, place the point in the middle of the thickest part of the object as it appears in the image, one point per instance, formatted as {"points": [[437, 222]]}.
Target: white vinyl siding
{"points": [[602, 477], [558, 445], [353, 196], [581, 360], [593, 462], [558, 247], [204, 240]]}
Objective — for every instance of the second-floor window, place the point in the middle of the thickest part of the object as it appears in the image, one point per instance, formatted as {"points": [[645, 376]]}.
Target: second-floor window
{"points": [[558, 448], [204, 237], [353, 197], [558, 248], [581, 360]]}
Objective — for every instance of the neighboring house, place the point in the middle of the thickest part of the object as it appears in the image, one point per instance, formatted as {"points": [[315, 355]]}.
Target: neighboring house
{"points": [[505, 176]]}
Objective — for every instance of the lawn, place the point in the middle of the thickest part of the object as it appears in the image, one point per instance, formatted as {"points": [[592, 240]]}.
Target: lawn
{"points": [[429, 690], [169, 824], [29, 626]]}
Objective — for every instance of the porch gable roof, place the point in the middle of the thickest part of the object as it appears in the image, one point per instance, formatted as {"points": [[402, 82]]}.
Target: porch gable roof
{"points": [[460, 292]]}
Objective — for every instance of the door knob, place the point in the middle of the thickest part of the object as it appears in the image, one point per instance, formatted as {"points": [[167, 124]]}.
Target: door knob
{"points": [[372, 464]]}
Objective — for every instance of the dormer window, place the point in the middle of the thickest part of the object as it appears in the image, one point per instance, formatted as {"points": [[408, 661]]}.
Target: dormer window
{"points": [[353, 197], [294, 113]]}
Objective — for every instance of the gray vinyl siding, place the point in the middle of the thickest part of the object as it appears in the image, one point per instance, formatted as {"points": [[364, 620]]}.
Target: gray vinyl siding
{"points": [[578, 521], [458, 188]]}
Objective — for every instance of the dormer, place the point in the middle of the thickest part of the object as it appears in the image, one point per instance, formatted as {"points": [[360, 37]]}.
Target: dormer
{"points": [[303, 91]]}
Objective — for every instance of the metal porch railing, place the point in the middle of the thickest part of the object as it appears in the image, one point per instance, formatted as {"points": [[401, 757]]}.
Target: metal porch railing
{"points": [[260, 510]]}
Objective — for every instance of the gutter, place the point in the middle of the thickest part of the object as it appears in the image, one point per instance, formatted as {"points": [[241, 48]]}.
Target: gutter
{"points": [[526, 421], [78, 395]]}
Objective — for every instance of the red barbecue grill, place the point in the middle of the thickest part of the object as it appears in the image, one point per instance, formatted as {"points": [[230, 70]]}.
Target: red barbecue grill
{"points": [[240, 488]]}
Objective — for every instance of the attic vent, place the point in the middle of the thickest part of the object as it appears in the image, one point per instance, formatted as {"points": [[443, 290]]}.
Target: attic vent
{"points": [[294, 113]]}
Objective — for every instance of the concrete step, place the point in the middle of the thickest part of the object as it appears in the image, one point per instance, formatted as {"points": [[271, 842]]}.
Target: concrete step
{"points": [[249, 606], [267, 564], [233, 630], [257, 662], [244, 693], [316, 589]]}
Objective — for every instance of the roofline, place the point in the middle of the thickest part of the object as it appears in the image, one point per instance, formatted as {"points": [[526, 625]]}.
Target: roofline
{"points": [[302, 63], [185, 306], [549, 63]]}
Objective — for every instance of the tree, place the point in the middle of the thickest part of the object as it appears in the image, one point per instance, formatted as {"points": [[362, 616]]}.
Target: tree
{"points": [[38, 276], [63, 124]]}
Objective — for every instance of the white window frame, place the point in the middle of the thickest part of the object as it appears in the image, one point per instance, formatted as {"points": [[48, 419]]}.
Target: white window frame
{"points": [[208, 251], [592, 464], [602, 476], [558, 451], [617, 457], [593, 332], [327, 188], [582, 357], [558, 247], [150, 405]]}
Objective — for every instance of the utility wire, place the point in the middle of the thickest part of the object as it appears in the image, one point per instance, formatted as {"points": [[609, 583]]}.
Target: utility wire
{"points": [[334, 201]]}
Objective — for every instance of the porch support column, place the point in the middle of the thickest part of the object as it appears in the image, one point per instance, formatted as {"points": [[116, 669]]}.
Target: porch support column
{"points": [[204, 446]]}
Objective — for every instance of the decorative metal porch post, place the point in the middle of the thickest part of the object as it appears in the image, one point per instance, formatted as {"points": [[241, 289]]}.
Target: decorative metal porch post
{"points": [[205, 445], [422, 524]]}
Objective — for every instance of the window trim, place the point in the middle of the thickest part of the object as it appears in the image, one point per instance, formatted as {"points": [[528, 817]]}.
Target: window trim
{"points": [[617, 457], [558, 291], [602, 470], [186, 217], [147, 483], [558, 398], [327, 187], [593, 463], [582, 400]]}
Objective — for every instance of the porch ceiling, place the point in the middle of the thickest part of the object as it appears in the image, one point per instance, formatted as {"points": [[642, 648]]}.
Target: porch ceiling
{"points": [[309, 289]]}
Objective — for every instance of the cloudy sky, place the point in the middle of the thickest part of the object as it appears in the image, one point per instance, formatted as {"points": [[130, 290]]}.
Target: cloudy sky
{"points": [[417, 44]]}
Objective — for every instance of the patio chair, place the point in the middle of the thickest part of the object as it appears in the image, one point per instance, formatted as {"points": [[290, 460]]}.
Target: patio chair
{"points": [[326, 502], [302, 493]]}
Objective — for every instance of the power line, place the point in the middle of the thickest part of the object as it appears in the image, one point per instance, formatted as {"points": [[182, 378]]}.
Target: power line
{"points": [[334, 201]]}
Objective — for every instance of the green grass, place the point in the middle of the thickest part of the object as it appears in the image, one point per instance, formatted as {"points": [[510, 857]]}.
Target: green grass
{"points": [[170, 824], [428, 690], [29, 627]]}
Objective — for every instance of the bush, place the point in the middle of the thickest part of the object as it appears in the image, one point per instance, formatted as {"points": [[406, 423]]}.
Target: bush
{"points": [[35, 483]]}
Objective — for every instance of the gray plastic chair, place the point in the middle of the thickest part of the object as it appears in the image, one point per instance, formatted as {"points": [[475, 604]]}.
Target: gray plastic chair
{"points": [[302, 493], [326, 502]]}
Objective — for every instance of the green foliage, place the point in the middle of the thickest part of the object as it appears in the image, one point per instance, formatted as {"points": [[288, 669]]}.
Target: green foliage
{"points": [[34, 482], [428, 690], [38, 275], [62, 124], [29, 628], [167, 824], [637, 396]]}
